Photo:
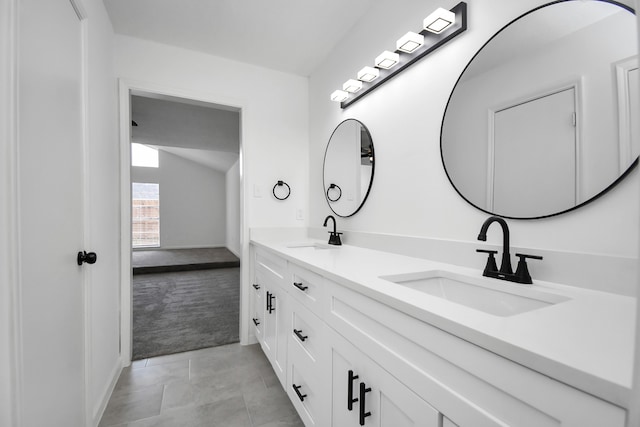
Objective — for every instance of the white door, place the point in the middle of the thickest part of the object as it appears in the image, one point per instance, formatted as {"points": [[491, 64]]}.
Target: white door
{"points": [[535, 156], [50, 164]]}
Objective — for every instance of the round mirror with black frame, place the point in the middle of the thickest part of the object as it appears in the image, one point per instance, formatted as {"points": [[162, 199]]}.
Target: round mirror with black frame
{"points": [[348, 167], [544, 118]]}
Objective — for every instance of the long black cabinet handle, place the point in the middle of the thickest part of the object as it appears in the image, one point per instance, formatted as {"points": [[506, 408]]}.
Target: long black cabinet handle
{"points": [[298, 333], [363, 390], [256, 321], [300, 286], [270, 298], [297, 388], [256, 286], [350, 399]]}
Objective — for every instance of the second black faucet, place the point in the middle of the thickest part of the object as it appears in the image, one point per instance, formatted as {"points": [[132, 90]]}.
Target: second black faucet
{"points": [[334, 236]]}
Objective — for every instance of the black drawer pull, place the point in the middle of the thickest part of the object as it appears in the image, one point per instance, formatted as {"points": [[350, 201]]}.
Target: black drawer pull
{"points": [[298, 333], [256, 286], [297, 388], [256, 321], [363, 390], [300, 286], [271, 306], [350, 399], [270, 298]]}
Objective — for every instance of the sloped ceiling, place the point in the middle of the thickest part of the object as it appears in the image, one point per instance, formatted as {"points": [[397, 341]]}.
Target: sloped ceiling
{"points": [[203, 133]]}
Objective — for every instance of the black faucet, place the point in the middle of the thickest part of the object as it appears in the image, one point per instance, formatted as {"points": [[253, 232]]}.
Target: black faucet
{"points": [[334, 236], [506, 272]]}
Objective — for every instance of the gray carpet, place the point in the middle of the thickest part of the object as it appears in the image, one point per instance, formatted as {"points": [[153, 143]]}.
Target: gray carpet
{"points": [[181, 311], [166, 260]]}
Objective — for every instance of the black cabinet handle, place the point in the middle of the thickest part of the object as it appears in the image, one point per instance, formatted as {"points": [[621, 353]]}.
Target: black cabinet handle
{"points": [[256, 321], [350, 399], [270, 298], [88, 257], [363, 390], [298, 333], [300, 286], [256, 286], [297, 388]]}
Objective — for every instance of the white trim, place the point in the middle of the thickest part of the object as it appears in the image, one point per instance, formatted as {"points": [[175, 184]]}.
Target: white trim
{"points": [[105, 396], [622, 69], [126, 88], [491, 145], [576, 85], [79, 7], [10, 338]]}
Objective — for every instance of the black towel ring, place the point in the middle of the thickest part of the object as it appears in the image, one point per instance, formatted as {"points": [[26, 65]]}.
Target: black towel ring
{"points": [[280, 184], [332, 186]]}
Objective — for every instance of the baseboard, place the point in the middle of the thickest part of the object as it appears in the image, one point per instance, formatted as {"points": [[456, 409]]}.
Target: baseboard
{"points": [[168, 248], [99, 409]]}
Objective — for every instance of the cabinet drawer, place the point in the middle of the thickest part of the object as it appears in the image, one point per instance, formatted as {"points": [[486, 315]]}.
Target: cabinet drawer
{"points": [[308, 288], [307, 335], [469, 385], [305, 389], [271, 264]]}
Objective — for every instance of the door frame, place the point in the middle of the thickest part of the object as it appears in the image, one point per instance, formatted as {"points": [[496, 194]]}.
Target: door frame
{"points": [[622, 69], [576, 85], [10, 367], [126, 88]]}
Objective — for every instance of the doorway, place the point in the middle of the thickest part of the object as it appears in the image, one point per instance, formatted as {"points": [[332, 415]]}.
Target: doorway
{"points": [[193, 218]]}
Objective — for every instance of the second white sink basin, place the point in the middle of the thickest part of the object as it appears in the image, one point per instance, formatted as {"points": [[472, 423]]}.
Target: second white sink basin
{"points": [[488, 295]]}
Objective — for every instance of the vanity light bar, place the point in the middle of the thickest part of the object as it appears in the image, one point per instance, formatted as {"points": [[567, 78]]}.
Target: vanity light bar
{"points": [[438, 28]]}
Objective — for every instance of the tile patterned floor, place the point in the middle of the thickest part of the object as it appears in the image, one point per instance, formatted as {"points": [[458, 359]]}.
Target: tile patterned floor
{"points": [[228, 386]]}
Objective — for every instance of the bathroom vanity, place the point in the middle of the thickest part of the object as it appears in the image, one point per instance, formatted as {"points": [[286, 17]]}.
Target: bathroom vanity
{"points": [[364, 337]]}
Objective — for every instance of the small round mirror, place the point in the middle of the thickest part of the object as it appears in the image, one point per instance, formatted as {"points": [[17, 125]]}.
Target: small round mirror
{"points": [[348, 167]]}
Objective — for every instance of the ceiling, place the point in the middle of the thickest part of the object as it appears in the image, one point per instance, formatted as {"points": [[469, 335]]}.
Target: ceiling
{"points": [[204, 133], [292, 36]]}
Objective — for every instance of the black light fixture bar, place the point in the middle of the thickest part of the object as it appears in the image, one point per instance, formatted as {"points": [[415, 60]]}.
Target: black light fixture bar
{"points": [[432, 41]]}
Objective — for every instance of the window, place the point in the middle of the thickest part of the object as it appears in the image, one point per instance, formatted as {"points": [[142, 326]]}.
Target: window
{"points": [[142, 155], [145, 216]]}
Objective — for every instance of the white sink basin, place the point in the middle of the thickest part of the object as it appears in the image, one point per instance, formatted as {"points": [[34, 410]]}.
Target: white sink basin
{"points": [[488, 295], [313, 245]]}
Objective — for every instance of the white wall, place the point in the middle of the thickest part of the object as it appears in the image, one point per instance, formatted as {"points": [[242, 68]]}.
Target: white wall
{"points": [[192, 202], [411, 194], [275, 121], [233, 209]]}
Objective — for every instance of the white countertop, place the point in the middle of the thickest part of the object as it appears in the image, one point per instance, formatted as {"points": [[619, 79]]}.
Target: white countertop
{"points": [[586, 342]]}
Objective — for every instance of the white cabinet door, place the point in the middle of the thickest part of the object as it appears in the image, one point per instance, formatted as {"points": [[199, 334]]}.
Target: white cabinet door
{"points": [[274, 325], [364, 394], [50, 175]]}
